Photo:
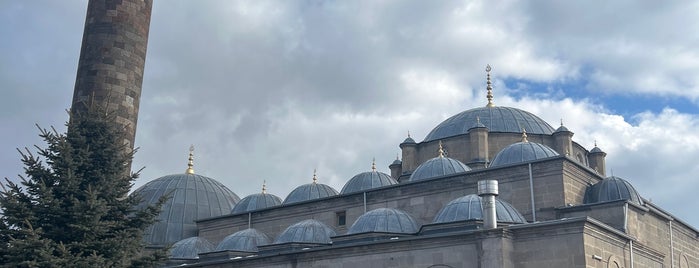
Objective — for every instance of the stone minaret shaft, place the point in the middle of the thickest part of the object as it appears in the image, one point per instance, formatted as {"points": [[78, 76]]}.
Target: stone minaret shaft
{"points": [[112, 59]]}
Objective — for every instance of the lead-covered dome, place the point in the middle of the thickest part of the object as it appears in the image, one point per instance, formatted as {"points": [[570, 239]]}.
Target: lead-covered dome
{"points": [[313, 190], [246, 240], [384, 220], [189, 248], [523, 151], [256, 201], [367, 180], [470, 207], [496, 119], [612, 189], [438, 166], [192, 197], [307, 231]]}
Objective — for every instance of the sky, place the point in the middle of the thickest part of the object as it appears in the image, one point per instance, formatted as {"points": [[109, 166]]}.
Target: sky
{"points": [[271, 90]]}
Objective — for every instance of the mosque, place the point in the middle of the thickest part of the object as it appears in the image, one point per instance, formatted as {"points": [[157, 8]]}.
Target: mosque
{"points": [[555, 207], [491, 186]]}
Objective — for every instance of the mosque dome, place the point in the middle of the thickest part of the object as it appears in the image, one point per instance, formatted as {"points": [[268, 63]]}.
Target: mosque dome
{"points": [[523, 151], [469, 207], [309, 191], [408, 140], [192, 197], [246, 240], [438, 166], [384, 220], [257, 201], [495, 118], [307, 231], [189, 248], [367, 180], [612, 189]]}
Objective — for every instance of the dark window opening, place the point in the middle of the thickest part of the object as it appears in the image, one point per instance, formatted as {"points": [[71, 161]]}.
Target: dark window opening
{"points": [[341, 218]]}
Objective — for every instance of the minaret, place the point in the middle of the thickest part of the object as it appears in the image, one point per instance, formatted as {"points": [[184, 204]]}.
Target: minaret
{"points": [[112, 59]]}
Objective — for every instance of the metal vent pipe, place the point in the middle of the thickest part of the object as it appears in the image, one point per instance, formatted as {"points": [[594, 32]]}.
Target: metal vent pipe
{"points": [[487, 190]]}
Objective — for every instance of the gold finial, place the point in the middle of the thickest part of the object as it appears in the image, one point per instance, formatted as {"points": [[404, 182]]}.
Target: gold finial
{"points": [[441, 149], [524, 135], [264, 186], [490, 87], [190, 164], [373, 164], [315, 178], [595, 143]]}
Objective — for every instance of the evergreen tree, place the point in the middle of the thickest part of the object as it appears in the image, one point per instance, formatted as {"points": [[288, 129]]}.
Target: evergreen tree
{"points": [[72, 208]]}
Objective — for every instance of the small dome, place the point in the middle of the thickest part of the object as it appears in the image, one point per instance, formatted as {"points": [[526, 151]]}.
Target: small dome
{"points": [[469, 207], [246, 240], [256, 202], [397, 162], [596, 150], [562, 128], [384, 220], [367, 180], [522, 152], [307, 231], [612, 189], [496, 119], [193, 197], [310, 191], [408, 140], [438, 166], [189, 248]]}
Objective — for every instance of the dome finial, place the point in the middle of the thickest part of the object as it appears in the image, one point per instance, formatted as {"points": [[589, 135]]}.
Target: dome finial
{"points": [[315, 178], [408, 133], [397, 157], [524, 135], [190, 163], [373, 164], [441, 149], [490, 87], [264, 186], [561, 121], [595, 143]]}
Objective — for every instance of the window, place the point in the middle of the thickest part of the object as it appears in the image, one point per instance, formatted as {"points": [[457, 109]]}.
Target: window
{"points": [[341, 217]]}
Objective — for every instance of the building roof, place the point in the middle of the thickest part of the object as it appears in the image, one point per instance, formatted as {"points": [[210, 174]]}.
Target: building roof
{"points": [[307, 231], [470, 207], [189, 248], [367, 180], [255, 202], [384, 220], [246, 240], [192, 197], [522, 152], [438, 166], [496, 119], [612, 189]]}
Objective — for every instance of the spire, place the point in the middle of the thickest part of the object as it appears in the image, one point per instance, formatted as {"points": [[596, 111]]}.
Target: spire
{"points": [[524, 135], [190, 164], [441, 149], [264, 186], [373, 164], [561, 121], [315, 178], [490, 87]]}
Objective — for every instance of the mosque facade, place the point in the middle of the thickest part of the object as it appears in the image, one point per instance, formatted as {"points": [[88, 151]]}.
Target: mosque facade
{"points": [[491, 186], [555, 207]]}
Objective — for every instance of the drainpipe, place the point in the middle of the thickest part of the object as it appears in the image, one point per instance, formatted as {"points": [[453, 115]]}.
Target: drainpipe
{"points": [[672, 248], [364, 202], [531, 190], [487, 190], [631, 250]]}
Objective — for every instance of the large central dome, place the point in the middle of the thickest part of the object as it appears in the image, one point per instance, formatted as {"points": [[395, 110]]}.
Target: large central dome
{"points": [[496, 119]]}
